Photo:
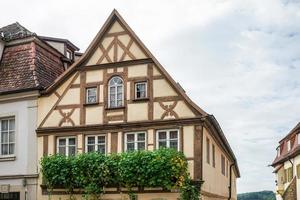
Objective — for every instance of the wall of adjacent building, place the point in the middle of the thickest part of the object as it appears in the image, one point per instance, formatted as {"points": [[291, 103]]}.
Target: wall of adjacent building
{"points": [[25, 161], [215, 183]]}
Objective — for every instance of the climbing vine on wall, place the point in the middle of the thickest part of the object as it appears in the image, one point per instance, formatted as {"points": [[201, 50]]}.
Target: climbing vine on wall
{"points": [[165, 168]]}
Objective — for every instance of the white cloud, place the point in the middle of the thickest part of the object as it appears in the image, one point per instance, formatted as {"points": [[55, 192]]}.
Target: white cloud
{"points": [[241, 59]]}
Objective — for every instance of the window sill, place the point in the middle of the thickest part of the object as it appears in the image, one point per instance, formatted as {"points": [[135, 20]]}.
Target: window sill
{"points": [[115, 108], [7, 158], [141, 99], [91, 104]]}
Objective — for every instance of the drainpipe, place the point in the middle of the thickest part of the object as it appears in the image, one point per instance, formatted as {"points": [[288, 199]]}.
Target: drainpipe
{"points": [[230, 182]]}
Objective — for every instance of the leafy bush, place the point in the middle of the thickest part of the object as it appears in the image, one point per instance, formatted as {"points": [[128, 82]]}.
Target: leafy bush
{"points": [[164, 168]]}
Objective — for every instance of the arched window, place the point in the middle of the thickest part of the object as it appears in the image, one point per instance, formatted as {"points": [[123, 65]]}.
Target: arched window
{"points": [[115, 92]]}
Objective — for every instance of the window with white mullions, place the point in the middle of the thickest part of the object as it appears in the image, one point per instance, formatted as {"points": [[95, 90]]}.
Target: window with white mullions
{"points": [[168, 139], [140, 90], [7, 137], [66, 146], [115, 92], [135, 141], [96, 143], [91, 95]]}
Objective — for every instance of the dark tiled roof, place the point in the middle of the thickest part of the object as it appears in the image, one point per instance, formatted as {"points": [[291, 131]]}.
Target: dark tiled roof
{"points": [[28, 67], [15, 31]]}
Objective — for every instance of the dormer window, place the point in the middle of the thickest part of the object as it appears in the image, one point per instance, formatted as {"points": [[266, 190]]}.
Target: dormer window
{"points": [[289, 145], [69, 54], [278, 151]]}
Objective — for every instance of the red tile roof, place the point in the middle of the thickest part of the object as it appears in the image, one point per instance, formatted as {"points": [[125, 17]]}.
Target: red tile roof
{"points": [[295, 147]]}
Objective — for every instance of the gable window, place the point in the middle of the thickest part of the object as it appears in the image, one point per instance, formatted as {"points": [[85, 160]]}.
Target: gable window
{"points": [[141, 90], [213, 156], [223, 165], [66, 146], [135, 141], [207, 151], [7, 137], [91, 95], [168, 139], [289, 145], [115, 92], [95, 143]]}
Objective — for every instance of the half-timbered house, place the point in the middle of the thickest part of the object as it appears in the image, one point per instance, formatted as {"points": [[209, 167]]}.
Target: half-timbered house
{"points": [[118, 97]]}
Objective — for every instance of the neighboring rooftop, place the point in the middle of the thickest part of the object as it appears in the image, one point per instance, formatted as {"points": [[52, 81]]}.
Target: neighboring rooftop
{"points": [[285, 154], [27, 66], [15, 31], [46, 38]]}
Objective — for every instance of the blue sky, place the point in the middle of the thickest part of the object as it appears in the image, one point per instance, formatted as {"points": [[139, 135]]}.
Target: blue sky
{"points": [[238, 60]]}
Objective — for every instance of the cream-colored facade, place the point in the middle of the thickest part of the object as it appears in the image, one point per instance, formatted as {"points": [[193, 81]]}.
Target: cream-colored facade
{"points": [[64, 111]]}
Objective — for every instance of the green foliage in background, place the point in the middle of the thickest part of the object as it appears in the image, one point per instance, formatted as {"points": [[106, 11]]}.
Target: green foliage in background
{"points": [[92, 172], [263, 195]]}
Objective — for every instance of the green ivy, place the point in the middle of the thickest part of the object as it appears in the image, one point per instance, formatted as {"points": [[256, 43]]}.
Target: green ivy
{"points": [[92, 172]]}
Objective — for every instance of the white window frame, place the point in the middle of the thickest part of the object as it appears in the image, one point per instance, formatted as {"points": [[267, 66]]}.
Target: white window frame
{"points": [[278, 151], [96, 143], [87, 95], [146, 89], [116, 92], [168, 138], [8, 131], [135, 140], [67, 144], [289, 147]]}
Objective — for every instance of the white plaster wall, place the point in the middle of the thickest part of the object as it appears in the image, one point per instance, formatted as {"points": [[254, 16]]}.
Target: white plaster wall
{"points": [[25, 113]]}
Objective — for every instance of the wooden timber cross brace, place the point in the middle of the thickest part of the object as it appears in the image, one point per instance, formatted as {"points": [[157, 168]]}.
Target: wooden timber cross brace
{"points": [[66, 117], [114, 44], [169, 110]]}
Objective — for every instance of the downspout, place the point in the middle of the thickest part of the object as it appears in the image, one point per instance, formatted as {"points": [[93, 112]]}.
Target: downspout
{"points": [[230, 182]]}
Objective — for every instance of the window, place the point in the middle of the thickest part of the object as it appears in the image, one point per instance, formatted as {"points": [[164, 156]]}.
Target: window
{"points": [[168, 139], [95, 143], [135, 141], [289, 145], [289, 174], [207, 151], [7, 136], [141, 90], [115, 92], [298, 138], [223, 165], [213, 156], [69, 55], [66, 146], [91, 95], [227, 170], [278, 151]]}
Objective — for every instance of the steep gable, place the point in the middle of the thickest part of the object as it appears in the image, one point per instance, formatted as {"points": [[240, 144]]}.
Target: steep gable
{"points": [[117, 43]]}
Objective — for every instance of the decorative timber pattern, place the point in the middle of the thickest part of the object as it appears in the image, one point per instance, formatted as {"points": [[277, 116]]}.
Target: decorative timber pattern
{"points": [[117, 46]]}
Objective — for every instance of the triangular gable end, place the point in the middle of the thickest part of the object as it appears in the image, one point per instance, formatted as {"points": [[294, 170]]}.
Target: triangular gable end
{"points": [[116, 45], [114, 35]]}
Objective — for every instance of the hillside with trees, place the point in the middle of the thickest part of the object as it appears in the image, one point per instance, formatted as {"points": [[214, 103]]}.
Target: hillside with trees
{"points": [[263, 195]]}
